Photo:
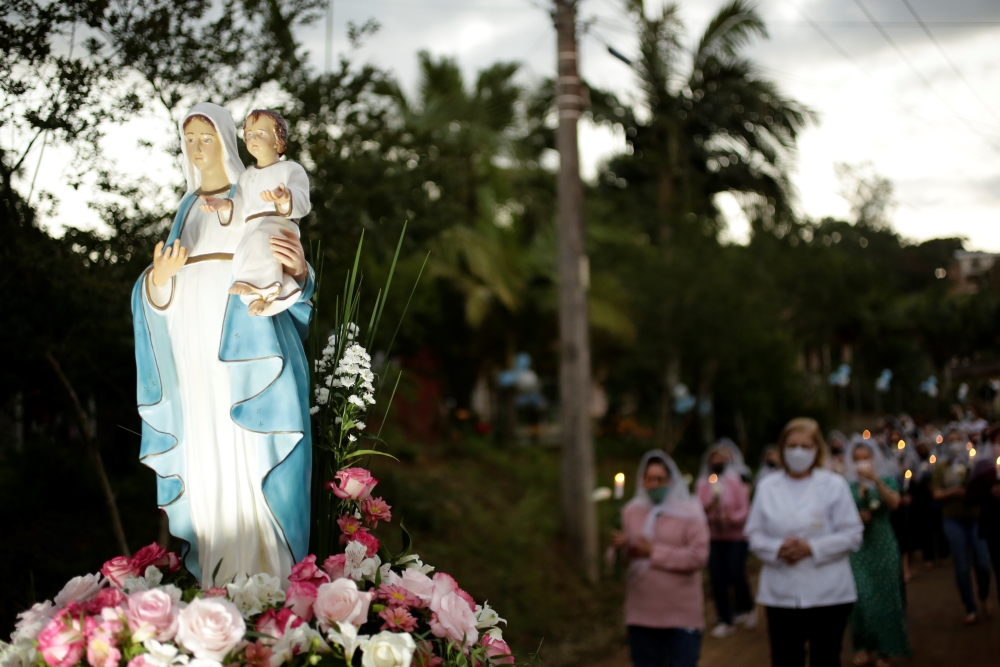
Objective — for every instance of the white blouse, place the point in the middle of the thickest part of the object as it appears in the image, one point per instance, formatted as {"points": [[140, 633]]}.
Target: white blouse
{"points": [[820, 510]]}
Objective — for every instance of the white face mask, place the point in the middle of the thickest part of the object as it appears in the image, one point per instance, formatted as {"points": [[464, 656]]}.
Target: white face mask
{"points": [[799, 459]]}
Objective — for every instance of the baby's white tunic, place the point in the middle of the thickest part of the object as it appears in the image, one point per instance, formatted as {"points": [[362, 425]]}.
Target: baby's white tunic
{"points": [[254, 262]]}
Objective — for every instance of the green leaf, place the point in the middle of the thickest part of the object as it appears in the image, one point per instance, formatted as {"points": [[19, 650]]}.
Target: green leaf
{"points": [[372, 452], [215, 572]]}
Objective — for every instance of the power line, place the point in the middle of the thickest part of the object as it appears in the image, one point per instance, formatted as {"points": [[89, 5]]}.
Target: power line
{"points": [[849, 58], [888, 38], [944, 55]]}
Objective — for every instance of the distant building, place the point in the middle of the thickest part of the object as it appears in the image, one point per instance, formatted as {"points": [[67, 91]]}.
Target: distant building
{"points": [[969, 271]]}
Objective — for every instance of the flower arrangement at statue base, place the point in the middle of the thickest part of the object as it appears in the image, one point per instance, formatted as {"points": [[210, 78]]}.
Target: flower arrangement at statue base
{"points": [[138, 612]]}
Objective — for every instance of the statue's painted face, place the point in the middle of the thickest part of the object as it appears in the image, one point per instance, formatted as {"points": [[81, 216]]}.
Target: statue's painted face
{"points": [[204, 148], [261, 141]]}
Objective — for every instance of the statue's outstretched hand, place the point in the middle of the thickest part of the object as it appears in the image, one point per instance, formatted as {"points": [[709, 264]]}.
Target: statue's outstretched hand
{"points": [[281, 196], [213, 204], [167, 261]]}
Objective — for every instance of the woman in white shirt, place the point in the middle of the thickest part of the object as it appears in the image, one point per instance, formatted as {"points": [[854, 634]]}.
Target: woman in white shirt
{"points": [[803, 526]]}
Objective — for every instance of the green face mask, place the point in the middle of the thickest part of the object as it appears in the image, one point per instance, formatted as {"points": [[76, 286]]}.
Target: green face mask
{"points": [[658, 493]]}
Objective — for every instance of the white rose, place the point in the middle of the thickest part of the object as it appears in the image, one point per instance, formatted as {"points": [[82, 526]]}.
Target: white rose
{"points": [[388, 649], [210, 628], [340, 601], [79, 589], [202, 662]]}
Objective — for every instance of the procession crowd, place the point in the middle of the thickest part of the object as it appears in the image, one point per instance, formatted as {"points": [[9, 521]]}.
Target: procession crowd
{"points": [[837, 524]]}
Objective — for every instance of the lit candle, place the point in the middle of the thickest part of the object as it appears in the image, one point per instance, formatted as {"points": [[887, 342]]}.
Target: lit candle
{"points": [[867, 434], [713, 479], [932, 459], [906, 480], [619, 486], [998, 467], [972, 453], [901, 444]]}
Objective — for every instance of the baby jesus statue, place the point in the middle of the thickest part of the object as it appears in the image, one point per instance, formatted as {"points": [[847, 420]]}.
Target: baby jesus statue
{"points": [[272, 197]]}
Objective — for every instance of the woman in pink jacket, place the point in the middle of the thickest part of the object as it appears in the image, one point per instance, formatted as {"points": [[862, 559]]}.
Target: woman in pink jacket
{"points": [[665, 538], [725, 496]]}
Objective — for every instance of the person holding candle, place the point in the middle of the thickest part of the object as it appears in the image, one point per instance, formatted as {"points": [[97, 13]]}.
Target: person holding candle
{"points": [[878, 620], [770, 462], [803, 526], [726, 500], [961, 523], [665, 538], [984, 491]]}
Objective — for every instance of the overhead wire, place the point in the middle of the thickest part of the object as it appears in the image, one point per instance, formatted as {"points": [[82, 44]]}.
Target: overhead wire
{"points": [[927, 84], [951, 63]]}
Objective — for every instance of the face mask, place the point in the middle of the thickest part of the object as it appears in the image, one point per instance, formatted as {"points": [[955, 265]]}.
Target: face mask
{"points": [[657, 493], [717, 468], [799, 459]]}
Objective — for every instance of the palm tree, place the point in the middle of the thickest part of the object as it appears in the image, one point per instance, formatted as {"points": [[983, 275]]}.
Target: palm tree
{"points": [[712, 124]]}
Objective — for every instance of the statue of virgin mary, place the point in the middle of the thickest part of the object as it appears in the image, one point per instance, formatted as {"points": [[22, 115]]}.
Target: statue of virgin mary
{"points": [[223, 396]]}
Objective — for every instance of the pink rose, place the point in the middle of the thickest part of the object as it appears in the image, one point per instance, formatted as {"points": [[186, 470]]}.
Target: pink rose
{"points": [[375, 510], [118, 569], [419, 584], [148, 555], [307, 571], [334, 566], [341, 602], [274, 623], [369, 541], [210, 628], [352, 484], [300, 597], [445, 584], [452, 618], [497, 650], [62, 641], [152, 615], [106, 598]]}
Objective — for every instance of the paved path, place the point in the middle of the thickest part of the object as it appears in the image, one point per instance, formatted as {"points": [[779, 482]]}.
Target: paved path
{"points": [[936, 632]]}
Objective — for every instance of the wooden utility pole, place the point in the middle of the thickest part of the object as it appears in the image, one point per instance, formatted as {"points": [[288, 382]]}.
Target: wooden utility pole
{"points": [[574, 275]]}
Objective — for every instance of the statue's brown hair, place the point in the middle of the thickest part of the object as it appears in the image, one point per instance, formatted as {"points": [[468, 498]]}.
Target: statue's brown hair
{"points": [[280, 126]]}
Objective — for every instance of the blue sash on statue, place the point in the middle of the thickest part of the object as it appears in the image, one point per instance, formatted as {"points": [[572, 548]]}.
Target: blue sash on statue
{"points": [[269, 377]]}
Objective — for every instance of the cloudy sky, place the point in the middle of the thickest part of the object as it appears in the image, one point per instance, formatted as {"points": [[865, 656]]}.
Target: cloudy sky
{"points": [[926, 115]]}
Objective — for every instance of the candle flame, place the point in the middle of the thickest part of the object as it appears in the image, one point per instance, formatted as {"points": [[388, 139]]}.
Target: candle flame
{"points": [[972, 452], [908, 474], [620, 478], [901, 444], [713, 478], [939, 439], [998, 460], [933, 459], [867, 434]]}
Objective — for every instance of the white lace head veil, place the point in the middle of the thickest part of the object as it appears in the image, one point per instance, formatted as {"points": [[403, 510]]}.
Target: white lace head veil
{"points": [[883, 468], [678, 501], [226, 127], [735, 464]]}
